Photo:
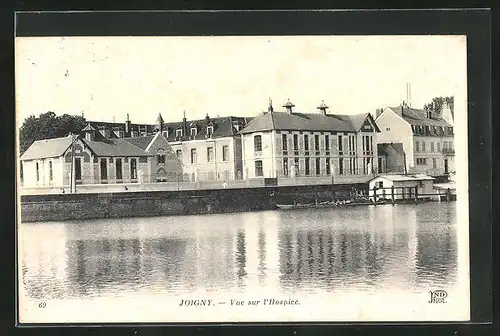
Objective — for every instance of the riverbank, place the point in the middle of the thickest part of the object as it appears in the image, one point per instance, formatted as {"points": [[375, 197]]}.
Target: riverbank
{"points": [[55, 207]]}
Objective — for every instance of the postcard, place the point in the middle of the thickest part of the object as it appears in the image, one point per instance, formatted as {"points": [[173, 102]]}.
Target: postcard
{"points": [[199, 179]]}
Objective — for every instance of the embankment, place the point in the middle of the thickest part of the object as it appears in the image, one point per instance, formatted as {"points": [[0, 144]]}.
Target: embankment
{"points": [[57, 207]]}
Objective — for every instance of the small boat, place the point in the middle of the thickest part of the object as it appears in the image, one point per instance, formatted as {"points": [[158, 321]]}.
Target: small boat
{"points": [[339, 204], [307, 206]]}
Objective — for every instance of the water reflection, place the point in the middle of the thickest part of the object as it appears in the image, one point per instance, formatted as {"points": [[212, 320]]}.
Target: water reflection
{"points": [[361, 249]]}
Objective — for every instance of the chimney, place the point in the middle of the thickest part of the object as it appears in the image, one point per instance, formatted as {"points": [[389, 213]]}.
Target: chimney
{"points": [[184, 124], [378, 112], [322, 108], [127, 126], [288, 106], [270, 107], [207, 119]]}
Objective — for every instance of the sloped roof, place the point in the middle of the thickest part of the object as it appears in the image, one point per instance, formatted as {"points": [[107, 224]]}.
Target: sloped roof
{"points": [[47, 148], [141, 142], [305, 122], [222, 127], [114, 147], [419, 117]]}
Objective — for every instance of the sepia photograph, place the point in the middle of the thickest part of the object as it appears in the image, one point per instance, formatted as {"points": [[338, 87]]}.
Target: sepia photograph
{"points": [[198, 179]]}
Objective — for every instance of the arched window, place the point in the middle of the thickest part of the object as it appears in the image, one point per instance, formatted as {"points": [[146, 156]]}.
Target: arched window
{"points": [[161, 175], [257, 143]]}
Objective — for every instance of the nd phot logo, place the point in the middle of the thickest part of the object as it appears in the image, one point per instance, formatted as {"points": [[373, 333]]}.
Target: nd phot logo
{"points": [[438, 296]]}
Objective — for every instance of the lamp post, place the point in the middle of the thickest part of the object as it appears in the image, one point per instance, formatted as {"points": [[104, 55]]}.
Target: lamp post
{"points": [[72, 184], [332, 171]]}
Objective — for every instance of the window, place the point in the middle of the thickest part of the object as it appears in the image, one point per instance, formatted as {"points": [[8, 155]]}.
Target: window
{"points": [[160, 157], [194, 159], [178, 133], [194, 131], [339, 144], [210, 131], [328, 169], [352, 145], [318, 166], [179, 153], [421, 161], [307, 167], [257, 143], [210, 154], [295, 142], [306, 142], [133, 169], [367, 145], [316, 142], [417, 146], [434, 163], [284, 142], [438, 146], [21, 171], [225, 153], [341, 166], [388, 129], [327, 143], [432, 146], [104, 169], [118, 168], [37, 172], [296, 165], [285, 166], [423, 146], [51, 176], [259, 171]]}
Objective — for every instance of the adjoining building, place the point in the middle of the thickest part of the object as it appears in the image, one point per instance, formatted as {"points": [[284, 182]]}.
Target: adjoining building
{"points": [[89, 158], [391, 158], [209, 148], [299, 145], [427, 138]]}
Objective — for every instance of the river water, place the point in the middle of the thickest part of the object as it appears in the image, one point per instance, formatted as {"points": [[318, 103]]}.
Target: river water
{"points": [[149, 265]]}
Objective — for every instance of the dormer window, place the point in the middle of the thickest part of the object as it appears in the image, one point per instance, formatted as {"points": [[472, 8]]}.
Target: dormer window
{"points": [[178, 133], [210, 131], [193, 130]]}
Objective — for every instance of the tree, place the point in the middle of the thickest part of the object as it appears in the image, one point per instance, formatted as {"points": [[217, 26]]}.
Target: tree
{"points": [[48, 126], [436, 106]]}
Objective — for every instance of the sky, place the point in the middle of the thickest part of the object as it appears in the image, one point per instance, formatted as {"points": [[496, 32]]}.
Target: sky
{"points": [[107, 77]]}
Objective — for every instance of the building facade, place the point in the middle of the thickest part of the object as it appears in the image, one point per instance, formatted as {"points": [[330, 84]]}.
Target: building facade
{"points": [[91, 159], [292, 144], [209, 148], [428, 140]]}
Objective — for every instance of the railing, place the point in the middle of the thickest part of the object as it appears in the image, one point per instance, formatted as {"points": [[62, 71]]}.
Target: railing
{"points": [[448, 151], [412, 194]]}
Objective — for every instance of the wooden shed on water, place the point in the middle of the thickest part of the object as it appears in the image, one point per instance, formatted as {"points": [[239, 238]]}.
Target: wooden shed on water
{"points": [[401, 187]]}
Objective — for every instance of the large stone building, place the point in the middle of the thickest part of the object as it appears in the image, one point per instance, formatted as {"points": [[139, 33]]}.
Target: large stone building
{"points": [[293, 144], [90, 158], [427, 138]]}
